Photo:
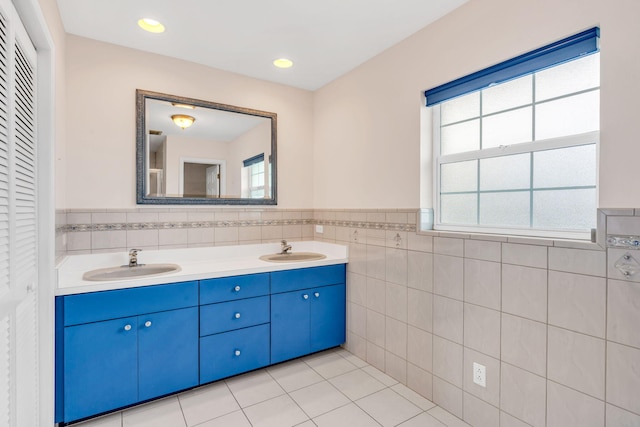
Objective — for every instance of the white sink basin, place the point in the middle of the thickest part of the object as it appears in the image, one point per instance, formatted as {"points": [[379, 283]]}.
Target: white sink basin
{"points": [[293, 257], [126, 272]]}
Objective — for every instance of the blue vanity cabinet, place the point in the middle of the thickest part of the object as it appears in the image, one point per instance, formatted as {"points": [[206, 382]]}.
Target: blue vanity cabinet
{"points": [[120, 347], [167, 352], [234, 325], [290, 321], [327, 322], [307, 311], [117, 348], [100, 367]]}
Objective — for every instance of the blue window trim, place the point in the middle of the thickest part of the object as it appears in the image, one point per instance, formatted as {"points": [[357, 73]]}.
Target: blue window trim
{"points": [[584, 43], [253, 160]]}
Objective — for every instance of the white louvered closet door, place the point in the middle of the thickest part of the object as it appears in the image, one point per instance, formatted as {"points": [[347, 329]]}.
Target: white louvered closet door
{"points": [[18, 222]]}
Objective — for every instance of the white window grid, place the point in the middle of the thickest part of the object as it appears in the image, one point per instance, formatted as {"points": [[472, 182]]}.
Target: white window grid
{"points": [[532, 146], [256, 180]]}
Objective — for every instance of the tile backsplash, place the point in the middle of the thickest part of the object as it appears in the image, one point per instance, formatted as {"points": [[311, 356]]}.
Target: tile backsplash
{"points": [[554, 322], [113, 230]]}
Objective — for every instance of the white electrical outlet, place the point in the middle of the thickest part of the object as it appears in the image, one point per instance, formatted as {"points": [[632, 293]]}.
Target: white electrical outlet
{"points": [[319, 229], [479, 374]]}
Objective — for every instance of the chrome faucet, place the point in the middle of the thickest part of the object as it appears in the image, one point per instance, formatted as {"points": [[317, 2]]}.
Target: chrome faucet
{"points": [[286, 248], [133, 257]]}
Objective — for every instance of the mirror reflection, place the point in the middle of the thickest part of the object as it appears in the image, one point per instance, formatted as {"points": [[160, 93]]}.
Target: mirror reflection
{"points": [[194, 151]]}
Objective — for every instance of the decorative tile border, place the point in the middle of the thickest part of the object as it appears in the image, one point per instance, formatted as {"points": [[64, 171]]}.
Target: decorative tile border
{"points": [[181, 224], [367, 225], [72, 228], [629, 242]]}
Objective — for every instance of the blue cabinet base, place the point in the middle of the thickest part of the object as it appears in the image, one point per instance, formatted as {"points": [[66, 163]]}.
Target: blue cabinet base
{"points": [[116, 349]]}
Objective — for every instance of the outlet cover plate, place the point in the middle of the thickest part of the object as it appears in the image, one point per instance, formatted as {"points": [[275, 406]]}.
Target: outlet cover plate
{"points": [[479, 374]]}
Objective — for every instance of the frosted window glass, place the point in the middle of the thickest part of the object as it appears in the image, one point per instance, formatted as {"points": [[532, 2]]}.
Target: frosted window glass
{"points": [[462, 108], [568, 116], [565, 167], [459, 209], [505, 173], [461, 137], [507, 95], [461, 176], [508, 128], [567, 209], [510, 209], [567, 78]]}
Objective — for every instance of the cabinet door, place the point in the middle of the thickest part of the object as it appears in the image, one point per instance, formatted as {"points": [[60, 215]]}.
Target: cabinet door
{"points": [[168, 352], [290, 325], [328, 307], [100, 367]]}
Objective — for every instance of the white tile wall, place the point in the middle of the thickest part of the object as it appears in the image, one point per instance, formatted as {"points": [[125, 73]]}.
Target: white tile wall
{"points": [[523, 395], [567, 407], [524, 343], [554, 322], [80, 231]]}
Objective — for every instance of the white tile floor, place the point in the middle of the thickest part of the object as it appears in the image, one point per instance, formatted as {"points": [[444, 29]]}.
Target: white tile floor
{"points": [[329, 389]]}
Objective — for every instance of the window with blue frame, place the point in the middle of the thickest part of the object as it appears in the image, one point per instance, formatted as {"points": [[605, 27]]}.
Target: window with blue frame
{"points": [[515, 145]]}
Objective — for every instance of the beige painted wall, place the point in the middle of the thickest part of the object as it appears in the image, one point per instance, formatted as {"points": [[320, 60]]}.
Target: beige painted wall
{"points": [[363, 130], [367, 123], [247, 145], [56, 29], [100, 147]]}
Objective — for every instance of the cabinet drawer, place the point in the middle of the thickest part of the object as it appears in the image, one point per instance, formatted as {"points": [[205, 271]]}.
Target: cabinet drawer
{"points": [[97, 306], [235, 352], [233, 288], [227, 316], [292, 280]]}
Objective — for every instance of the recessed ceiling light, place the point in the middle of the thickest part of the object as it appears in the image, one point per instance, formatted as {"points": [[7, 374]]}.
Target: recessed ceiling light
{"points": [[151, 25], [283, 63]]}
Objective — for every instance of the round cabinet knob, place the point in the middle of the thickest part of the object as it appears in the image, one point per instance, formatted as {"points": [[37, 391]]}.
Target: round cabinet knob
{"points": [[147, 323], [127, 327], [237, 352], [237, 288], [237, 315], [317, 294], [305, 296]]}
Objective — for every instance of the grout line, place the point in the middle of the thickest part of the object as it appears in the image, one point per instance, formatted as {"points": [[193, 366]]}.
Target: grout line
{"points": [[184, 417], [578, 391], [500, 338], [463, 310], [546, 363], [606, 333], [621, 408]]}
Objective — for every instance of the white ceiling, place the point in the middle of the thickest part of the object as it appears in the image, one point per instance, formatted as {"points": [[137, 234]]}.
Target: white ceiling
{"points": [[325, 38], [210, 124]]}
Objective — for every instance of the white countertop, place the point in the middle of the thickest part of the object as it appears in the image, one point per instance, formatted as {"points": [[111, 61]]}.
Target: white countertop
{"points": [[196, 264]]}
